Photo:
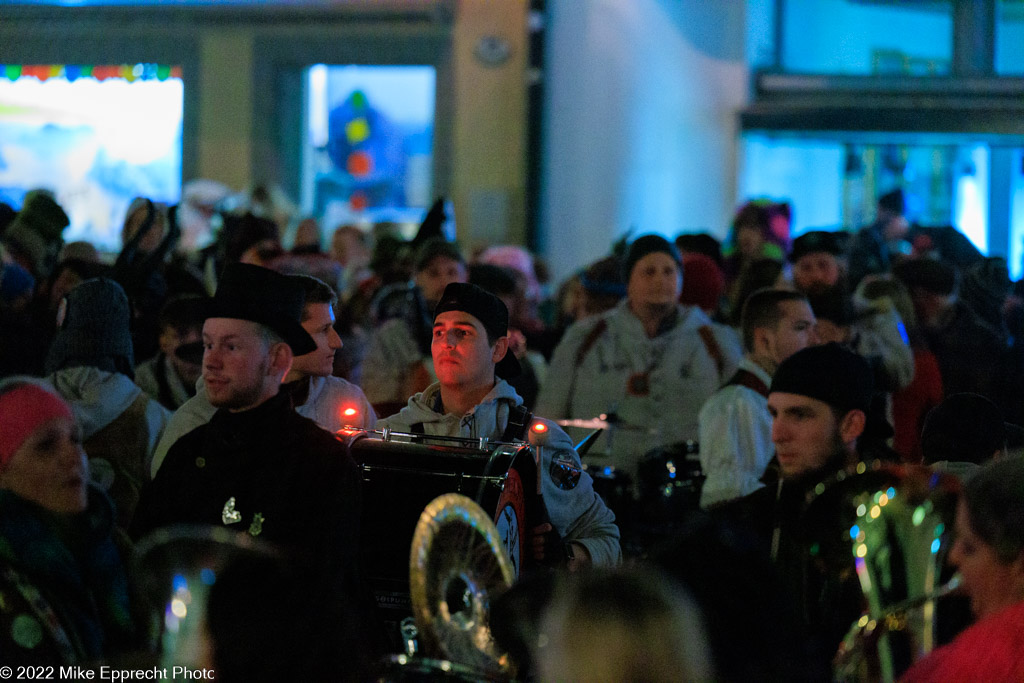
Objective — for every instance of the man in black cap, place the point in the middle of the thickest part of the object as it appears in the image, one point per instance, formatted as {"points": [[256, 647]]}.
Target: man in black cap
{"points": [[819, 401], [258, 466], [873, 330], [472, 399], [816, 261]]}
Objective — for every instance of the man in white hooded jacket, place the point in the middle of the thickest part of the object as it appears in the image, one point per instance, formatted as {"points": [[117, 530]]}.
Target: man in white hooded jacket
{"points": [[471, 399]]}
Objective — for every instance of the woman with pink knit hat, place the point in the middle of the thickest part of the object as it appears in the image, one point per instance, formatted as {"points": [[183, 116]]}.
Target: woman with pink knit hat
{"points": [[62, 578]]}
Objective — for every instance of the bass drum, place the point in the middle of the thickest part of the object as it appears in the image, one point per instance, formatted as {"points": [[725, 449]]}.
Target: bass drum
{"points": [[400, 477]]}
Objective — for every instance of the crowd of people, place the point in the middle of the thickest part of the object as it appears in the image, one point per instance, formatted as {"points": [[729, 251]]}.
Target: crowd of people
{"points": [[688, 399]]}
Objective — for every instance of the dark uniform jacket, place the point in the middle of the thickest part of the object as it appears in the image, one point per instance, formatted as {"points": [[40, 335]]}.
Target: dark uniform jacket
{"points": [[817, 578], [267, 471]]}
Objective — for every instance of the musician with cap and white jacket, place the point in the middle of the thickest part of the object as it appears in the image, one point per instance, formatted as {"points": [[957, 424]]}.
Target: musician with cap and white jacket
{"points": [[472, 399]]}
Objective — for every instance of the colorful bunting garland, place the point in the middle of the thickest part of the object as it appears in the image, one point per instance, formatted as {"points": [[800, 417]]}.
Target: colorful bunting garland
{"points": [[72, 72]]}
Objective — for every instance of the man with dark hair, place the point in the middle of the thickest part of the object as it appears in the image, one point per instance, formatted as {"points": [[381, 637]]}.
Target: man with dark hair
{"points": [[170, 376], [258, 466], [819, 401], [473, 399], [331, 402], [735, 426]]}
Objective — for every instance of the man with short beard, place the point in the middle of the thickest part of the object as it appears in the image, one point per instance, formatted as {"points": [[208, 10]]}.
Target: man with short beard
{"points": [[331, 402], [875, 330], [257, 466], [819, 401]]}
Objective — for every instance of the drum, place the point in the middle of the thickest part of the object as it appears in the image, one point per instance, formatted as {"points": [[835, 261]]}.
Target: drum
{"points": [[402, 473], [670, 482]]}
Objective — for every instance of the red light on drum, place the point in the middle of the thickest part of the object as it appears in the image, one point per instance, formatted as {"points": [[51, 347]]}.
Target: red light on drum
{"points": [[349, 412], [539, 427]]}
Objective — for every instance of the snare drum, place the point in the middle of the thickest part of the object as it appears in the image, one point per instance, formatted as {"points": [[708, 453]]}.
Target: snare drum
{"points": [[402, 473]]}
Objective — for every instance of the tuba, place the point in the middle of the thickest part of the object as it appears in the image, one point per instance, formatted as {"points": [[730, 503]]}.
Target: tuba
{"points": [[178, 566], [891, 525]]}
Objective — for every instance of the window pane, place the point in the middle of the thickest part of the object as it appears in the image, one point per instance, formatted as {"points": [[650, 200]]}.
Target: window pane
{"points": [[368, 151], [861, 37], [1010, 38]]}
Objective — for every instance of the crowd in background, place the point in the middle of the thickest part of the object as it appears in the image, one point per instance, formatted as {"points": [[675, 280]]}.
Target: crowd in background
{"points": [[654, 345]]}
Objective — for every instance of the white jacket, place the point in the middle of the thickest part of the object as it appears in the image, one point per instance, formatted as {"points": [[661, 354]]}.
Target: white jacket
{"points": [[681, 372]]}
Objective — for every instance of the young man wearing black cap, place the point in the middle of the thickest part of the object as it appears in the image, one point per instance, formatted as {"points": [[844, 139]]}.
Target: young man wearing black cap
{"points": [[471, 398], [819, 401], [258, 466]]}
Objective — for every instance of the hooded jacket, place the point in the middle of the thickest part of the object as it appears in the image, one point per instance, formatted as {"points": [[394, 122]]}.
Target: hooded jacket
{"points": [[577, 513]]}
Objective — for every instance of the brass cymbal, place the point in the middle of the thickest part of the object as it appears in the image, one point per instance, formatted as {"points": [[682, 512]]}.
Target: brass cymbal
{"points": [[457, 565]]}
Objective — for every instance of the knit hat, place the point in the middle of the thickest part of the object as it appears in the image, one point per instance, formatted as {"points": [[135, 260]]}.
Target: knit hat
{"points": [[489, 310], [22, 410], [829, 373], [95, 331], [964, 428], [264, 296], [36, 230], [648, 244], [813, 242], [704, 283]]}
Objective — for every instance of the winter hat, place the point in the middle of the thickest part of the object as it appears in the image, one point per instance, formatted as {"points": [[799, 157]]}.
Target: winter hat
{"points": [[36, 231], [813, 242], [489, 310], [22, 410], [648, 244], [829, 373], [518, 259], [95, 331], [965, 427], [704, 283]]}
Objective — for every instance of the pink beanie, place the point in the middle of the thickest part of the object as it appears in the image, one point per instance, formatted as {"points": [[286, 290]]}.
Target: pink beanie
{"points": [[22, 411]]}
